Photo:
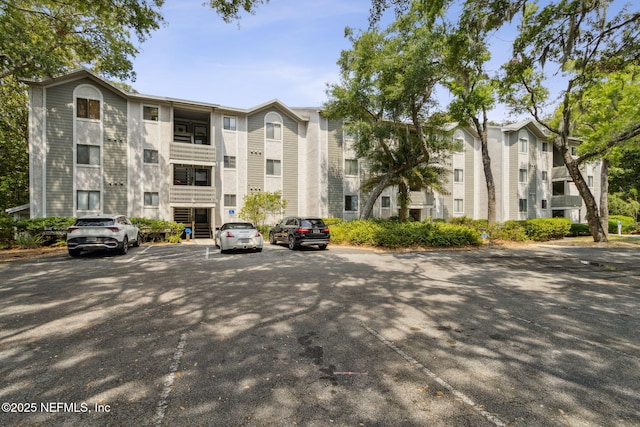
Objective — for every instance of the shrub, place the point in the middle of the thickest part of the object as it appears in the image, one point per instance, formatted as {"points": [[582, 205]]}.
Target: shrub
{"points": [[154, 230], [49, 229], [27, 240], [512, 230], [628, 224], [7, 230], [391, 234], [579, 230], [543, 229]]}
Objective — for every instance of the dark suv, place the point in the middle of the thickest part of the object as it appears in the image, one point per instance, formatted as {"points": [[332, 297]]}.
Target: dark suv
{"points": [[299, 231]]}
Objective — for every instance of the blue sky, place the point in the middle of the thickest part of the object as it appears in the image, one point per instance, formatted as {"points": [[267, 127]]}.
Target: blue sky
{"points": [[287, 50]]}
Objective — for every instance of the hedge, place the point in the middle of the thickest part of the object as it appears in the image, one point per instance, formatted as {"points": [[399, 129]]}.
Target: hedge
{"points": [[390, 234]]}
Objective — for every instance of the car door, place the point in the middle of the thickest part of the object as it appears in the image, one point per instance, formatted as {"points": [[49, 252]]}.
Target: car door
{"points": [[290, 227], [281, 229]]}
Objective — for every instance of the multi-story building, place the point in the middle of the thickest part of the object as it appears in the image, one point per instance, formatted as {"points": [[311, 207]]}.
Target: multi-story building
{"points": [[95, 148]]}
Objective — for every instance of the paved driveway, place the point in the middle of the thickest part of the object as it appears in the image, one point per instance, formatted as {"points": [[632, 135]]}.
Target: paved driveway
{"points": [[182, 335]]}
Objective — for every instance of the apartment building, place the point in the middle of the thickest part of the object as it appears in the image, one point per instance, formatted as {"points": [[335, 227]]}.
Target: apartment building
{"points": [[95, 148]]}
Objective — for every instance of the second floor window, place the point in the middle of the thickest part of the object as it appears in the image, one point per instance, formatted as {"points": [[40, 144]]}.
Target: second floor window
{"points": [[458, 175], [230, 162], [230, 200], [522, 205], [273, 167], [523, 175], [150, 156], [88, 108], [88, 154], [524, 145], [458, 205], [351, 167]]}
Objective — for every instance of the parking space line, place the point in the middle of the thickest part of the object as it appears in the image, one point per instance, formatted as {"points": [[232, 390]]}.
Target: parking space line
{"points": [[168, 382], [493, 419]]}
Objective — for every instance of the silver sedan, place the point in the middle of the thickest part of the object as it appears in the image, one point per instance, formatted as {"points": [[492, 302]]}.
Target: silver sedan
{"points": [[238, 235]]}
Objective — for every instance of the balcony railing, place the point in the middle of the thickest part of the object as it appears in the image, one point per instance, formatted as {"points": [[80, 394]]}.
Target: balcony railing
{"points": [[192, 195], [421, 198], [201, 154], [566, 201]]}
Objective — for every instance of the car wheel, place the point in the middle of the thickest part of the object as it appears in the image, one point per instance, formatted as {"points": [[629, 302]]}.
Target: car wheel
{"points": [[74, 252], [125, 246], [137, 242], [272, 239], [292, 243], [322, 247], [258, 249]]}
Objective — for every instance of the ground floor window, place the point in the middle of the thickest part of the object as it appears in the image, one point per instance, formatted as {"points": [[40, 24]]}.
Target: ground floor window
{"points": [[522, 205], [88, 200], [351, 203], [151, 199], [230, 200], [458, 206], [386, 201]]}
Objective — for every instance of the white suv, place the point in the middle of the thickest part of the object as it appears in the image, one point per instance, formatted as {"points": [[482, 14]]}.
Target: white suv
{"points": [[95, 232]]}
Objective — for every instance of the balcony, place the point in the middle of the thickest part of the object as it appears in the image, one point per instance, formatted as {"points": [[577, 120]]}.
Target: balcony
{"points": [[421, 198], [566, 201], [188, 195], [560, 173], [193, 153]]}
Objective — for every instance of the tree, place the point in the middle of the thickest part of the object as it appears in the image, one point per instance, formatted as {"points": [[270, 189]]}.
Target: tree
{"points": [[230, 10], [385, 95], [46, 37], [257, 206], [576, 41], [14, 157]]}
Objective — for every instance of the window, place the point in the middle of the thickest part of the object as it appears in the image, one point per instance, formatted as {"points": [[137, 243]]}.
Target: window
{"points": [[150, 113], [523, 175], [522, 205], [545, 147], [230, 162], [88, 200], [151, 199], [351, 167], [458, 145], [229, 123], [203, 177], [88, 154], [524, 145], [573, 151], [351, 203], [274, 131], [230, 200], [545, 204], [458, 205], [273, 167], [150, 156], [545, 175], [88, 108], [458, 175], [386, 201], [590, 181]]}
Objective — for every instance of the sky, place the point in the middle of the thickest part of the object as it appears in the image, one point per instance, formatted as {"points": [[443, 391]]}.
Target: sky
{"points": [[287, 50]]}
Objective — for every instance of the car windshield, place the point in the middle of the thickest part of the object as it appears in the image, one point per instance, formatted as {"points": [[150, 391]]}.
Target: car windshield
{"points": [[240, 226], [94, 222], [313, 223]]}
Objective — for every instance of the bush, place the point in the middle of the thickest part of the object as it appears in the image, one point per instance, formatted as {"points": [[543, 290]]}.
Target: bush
{"points": [[154, 230], [26, 240], [579, 230], [50, 229], [7, 230], [543, 229], [628, 224], [391, 234], [511, 230]]}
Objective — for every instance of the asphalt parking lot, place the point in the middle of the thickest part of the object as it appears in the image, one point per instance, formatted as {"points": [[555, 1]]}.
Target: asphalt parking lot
{"points": [[181, 335]]}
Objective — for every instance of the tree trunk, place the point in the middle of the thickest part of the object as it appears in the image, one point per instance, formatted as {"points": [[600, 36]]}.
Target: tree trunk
{"points": [[403, 200], [593, 216], [604, 196], [488, 174], [373, 196]]}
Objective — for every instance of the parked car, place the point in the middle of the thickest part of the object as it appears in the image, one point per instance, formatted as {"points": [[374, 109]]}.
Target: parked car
{"points": [[300, 231], [238, 235], [95, 232]]}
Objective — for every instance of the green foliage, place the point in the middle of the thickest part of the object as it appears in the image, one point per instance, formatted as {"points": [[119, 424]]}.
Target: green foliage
{"points": [[46, 37], [7, 230], [29, 241], [154, 230], [391, 234], [579, 230], [628, 224], [538, 229], [230, 10], [258, 206]]}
